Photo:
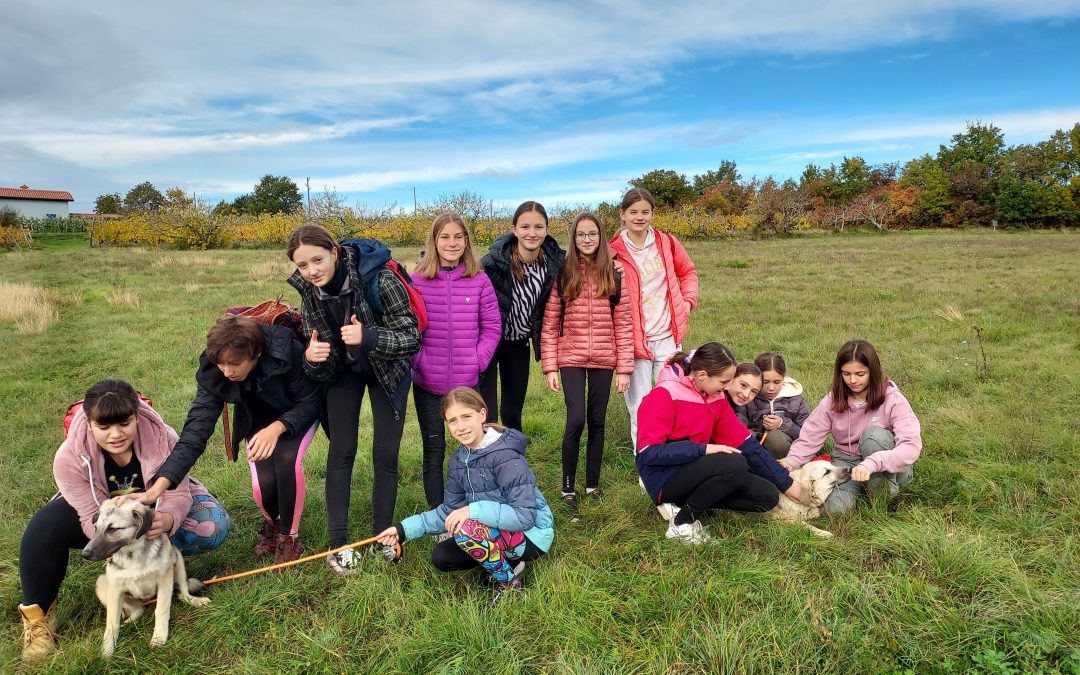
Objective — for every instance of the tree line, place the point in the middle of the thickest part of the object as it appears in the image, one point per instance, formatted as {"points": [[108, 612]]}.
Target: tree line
{"points": [[974, 180]]}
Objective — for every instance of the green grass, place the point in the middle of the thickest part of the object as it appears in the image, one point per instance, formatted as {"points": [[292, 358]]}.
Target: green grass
{"points": [[972, 568]]}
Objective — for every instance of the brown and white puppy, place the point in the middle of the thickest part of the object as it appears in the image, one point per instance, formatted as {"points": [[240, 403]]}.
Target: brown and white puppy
{"points": [[136, 569], [816, 479]]}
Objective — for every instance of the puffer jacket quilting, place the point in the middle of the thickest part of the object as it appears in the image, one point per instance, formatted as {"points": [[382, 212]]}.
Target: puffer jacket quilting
{"points": [[591, 336]]}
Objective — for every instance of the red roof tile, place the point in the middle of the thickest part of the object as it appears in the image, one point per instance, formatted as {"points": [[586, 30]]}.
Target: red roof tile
{"points": [[26, 193]]}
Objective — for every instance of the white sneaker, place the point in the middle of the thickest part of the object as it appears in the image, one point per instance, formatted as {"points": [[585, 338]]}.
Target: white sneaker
{"points": [[642, 484], [345, 562], [667, 511], [689, 533]]}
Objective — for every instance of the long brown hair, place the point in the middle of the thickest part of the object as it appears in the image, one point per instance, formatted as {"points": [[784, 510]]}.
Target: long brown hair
{"points": [[311, 235], [570, 275], [516, 265], [428, 266], [634, 195], [862, 352]]}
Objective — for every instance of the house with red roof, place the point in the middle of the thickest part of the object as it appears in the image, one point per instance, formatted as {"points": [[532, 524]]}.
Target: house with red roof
{"points": [[30, 203]]}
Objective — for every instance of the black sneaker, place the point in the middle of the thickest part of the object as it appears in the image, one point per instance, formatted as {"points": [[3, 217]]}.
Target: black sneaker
{"points": [[487, 582], [595, 494], [570, 502]]}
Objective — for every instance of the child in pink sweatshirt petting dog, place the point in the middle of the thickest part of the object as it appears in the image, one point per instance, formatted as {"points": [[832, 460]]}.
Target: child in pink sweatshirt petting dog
{"points": [[875, 430], [587, 336]]}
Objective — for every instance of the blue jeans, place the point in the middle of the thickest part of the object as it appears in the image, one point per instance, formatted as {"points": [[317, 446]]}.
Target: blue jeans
{"points": [[845, 496]]}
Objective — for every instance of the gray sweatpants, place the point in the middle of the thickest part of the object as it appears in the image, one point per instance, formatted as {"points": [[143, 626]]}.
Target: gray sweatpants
{"points": [[845, 496]]}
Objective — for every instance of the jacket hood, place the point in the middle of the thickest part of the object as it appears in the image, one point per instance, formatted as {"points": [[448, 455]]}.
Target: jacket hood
{"points": [[510, 439], [788, 388], [81, 448], [500, 248], [371, 256]]}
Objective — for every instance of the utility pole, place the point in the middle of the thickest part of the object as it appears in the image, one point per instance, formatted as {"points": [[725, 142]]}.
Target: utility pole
{"points": [[307, 182], [414, 199]]}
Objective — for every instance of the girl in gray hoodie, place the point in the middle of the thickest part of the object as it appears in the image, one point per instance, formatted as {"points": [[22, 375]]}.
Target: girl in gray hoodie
{"points": [[779, 410]]}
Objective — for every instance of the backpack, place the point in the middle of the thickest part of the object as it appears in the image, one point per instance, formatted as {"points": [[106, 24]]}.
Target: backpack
{"points": [[274, 313], [369, 279], [416, 301], [74, 407], [613, 299]]}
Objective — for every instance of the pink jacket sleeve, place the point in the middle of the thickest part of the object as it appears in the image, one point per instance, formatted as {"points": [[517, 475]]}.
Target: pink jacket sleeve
{"points": [[812, 437], [624, 334], [74, 483], [490, 325], [908, 433], [685, 271], [549, 333]]}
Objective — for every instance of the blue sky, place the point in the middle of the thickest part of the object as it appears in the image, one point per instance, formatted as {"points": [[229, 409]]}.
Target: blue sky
{"points": [[556, 101]]}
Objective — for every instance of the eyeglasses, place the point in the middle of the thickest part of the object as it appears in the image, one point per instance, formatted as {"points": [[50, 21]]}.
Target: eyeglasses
{"points": [[586, 236]]}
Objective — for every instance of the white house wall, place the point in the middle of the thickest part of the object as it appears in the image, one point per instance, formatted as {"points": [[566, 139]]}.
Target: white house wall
{"points": [[37, 208]]}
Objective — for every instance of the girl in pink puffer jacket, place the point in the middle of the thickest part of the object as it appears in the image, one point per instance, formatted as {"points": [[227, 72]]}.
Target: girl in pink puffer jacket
{"points": [[587, 336]]}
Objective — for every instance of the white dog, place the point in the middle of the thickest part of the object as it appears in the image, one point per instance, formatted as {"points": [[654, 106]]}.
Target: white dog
{"points": [[136, 569], [816, 480]]}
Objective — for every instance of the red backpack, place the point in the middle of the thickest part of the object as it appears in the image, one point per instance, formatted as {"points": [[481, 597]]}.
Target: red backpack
{"points": [[74, 407], [274, 313]]}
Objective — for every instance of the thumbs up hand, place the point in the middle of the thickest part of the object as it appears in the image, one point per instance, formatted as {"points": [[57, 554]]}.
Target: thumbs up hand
{"points": [[317, 351], [353, 334]]}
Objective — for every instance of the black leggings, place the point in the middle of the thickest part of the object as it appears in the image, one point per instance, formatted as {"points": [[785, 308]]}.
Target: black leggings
{"points": [[718, 481], [43, 556], [433, 436], [447, 556], [511, 366], [343, 399], [580, 410], [278, 484]]}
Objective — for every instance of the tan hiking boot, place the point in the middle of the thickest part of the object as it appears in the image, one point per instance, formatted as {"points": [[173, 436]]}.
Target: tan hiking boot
{"points": [[39, 631]]}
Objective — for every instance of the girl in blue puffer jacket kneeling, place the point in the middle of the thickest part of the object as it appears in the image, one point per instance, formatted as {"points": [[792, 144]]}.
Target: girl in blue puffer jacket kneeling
{"points": [[498, 517]]}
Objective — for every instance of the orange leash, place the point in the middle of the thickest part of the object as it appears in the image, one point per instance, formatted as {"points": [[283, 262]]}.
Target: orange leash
{"points": [[280, 566]]}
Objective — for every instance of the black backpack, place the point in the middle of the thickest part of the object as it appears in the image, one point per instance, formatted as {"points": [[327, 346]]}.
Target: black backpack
{"points": [[613, 299]]}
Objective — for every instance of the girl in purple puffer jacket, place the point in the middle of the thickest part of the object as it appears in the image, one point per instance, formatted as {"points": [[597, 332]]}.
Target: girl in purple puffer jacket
{"points": [[463, 331]]}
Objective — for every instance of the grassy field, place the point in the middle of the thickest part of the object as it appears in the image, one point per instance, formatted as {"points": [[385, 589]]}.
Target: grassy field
{"points": [[972, 568]]}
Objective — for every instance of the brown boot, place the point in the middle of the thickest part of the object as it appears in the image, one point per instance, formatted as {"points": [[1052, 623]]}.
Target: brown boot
{"points": [[288, 548], [265, 544], [39, 631]]}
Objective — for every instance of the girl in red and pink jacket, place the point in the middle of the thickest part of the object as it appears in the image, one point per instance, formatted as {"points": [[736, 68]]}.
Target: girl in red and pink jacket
{"points": [[873, 426], [663, 287], [463, 331], [586, 337], [694, 455]]}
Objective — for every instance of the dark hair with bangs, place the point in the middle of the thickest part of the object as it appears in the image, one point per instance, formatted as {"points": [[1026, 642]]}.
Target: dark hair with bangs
{"points": [[862, 352], [233, 339], [110, 402]]}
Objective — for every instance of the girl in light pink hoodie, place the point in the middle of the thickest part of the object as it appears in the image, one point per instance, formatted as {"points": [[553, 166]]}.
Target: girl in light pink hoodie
{"points": [[875, 431]]}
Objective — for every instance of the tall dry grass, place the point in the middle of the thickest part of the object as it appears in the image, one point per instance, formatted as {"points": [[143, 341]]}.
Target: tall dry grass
{"points": [[29, 308]]}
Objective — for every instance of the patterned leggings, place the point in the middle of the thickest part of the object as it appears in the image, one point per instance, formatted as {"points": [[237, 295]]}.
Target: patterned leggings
{"points": [[490, 547]]}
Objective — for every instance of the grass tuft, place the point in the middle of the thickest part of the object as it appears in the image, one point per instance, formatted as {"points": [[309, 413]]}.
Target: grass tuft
{"points": [[28, 308]]}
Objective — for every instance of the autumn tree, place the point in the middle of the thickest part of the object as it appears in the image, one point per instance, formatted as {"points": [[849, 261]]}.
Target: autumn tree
{"points": [[726, 173]]}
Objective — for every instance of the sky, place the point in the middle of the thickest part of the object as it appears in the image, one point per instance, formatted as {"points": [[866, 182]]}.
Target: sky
{"points": [[562, 102]]}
